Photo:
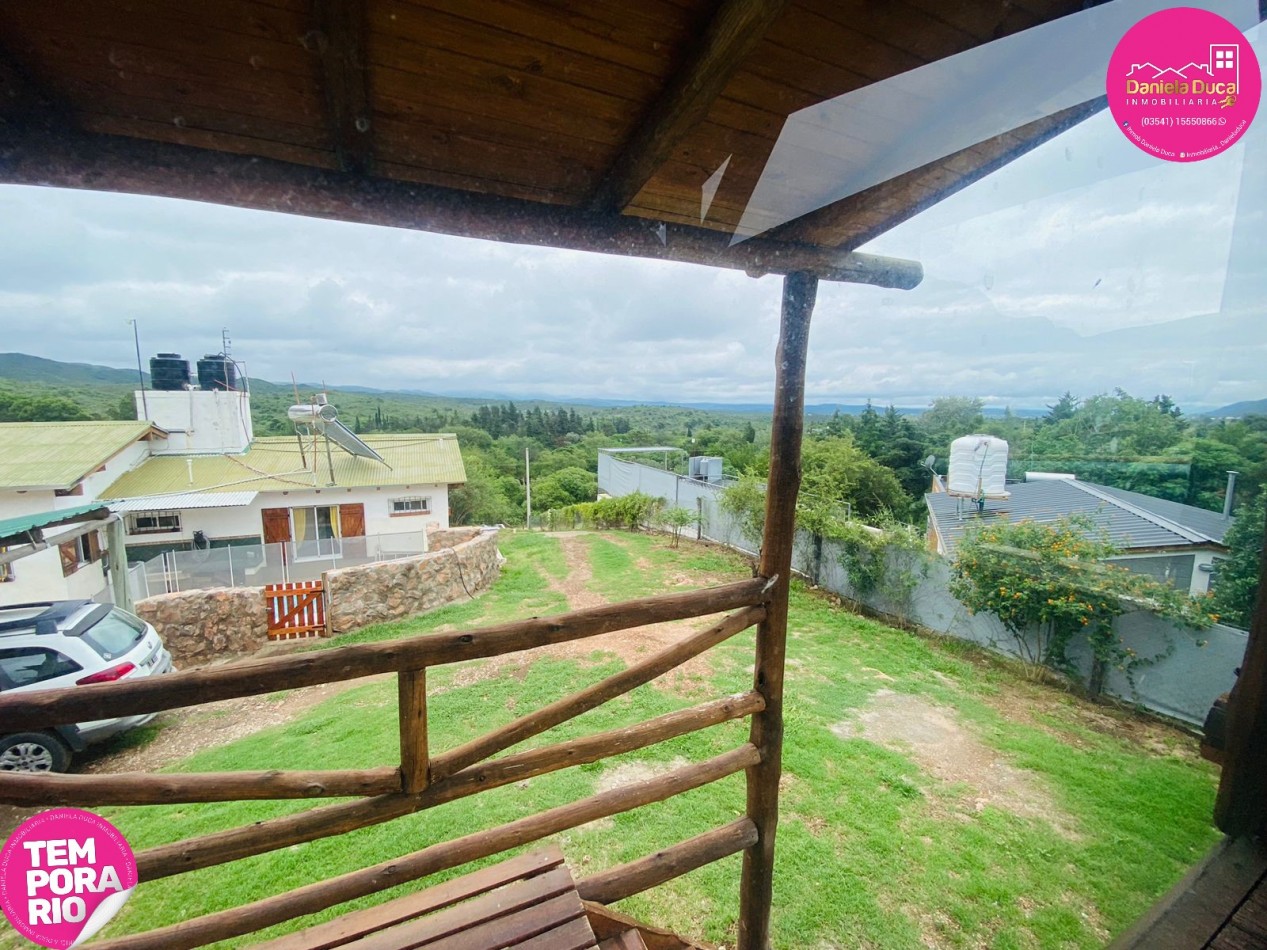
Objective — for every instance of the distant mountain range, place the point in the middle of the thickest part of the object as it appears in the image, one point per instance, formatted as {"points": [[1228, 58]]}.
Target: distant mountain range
{"points": [[1252, 407], [24, 368]]}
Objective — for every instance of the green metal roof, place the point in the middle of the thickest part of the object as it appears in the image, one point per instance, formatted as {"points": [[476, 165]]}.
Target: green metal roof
{"points": [[43, 455], [16, 530], [275, 464]]}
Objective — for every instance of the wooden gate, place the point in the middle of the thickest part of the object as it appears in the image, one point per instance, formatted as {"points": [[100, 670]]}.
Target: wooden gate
{"points": [[295, 610]]}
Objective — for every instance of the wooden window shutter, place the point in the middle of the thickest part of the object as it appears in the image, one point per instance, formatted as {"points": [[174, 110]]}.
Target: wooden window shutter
{"points": [[352, 521], [69, 552], [94, 546], [276, 525]]}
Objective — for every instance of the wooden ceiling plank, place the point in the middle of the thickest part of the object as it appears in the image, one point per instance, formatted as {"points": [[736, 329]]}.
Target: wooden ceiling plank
{"points": [[402, 37], [65, 158], [735, 30], [208, 139], [458, 83], [411, 144], [69, 53], [175, 37], [93, 97], [341, 28], [894, 23], [94, 87], [402, 122], [650, 50]]}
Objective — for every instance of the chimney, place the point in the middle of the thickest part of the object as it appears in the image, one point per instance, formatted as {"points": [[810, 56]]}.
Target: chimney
{"points": [[1231, 491]]}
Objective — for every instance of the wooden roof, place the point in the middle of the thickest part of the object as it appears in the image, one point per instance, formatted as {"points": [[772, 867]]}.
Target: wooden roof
{"points": [[574, 123]]}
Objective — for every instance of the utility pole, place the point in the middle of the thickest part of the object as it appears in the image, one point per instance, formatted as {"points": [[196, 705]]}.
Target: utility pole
{"points": [[528, 486], [140, 373]]}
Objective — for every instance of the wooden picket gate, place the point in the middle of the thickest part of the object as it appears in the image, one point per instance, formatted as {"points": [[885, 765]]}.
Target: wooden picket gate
{"points": [[295, 610]]}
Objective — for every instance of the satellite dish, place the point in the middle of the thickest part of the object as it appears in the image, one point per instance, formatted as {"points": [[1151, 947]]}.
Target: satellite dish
{"points": [[928, 462], [319, 418]]}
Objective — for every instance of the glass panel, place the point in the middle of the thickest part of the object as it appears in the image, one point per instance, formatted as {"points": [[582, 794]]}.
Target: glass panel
{"points": [[26, 666], [114, 635]]}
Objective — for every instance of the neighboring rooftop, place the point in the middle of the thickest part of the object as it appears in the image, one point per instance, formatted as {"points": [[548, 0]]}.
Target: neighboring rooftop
{"points": [[1131, 520], [275, 464], [57, 455]]}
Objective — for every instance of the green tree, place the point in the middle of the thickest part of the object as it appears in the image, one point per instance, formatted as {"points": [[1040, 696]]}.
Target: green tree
{"points": [[1236, 583], [835, 472], [676, 519], [1050, 582], [565, 487], [950, 417]]}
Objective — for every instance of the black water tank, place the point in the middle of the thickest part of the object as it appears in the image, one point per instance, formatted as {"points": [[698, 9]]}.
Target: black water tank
{"points": [[169, 372], [216, 371]]}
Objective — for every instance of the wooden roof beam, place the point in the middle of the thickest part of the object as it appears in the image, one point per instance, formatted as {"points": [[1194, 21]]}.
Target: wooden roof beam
{"points": [[339, 39], [733, 32], [66, 158]]}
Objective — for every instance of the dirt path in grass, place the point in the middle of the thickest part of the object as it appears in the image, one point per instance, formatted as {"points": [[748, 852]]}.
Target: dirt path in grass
{"points": [[948, 750], [629, 645]]}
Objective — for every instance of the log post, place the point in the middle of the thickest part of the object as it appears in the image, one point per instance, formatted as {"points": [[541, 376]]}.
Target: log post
{"points": [[757, 886], [415, 762]]}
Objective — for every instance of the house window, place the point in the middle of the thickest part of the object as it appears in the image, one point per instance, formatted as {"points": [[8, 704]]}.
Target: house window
{"points": [[79, 552], [411, 505], [316, 532], [154, 522], [6, 570]]}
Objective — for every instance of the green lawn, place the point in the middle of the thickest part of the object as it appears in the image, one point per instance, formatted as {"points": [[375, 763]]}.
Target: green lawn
{"points": [[877, 848]]}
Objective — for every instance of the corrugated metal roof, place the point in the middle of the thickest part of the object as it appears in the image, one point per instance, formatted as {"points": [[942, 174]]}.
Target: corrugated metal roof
{"points": [[16, 529], [1212, 524], [56, 455], [1049, 500], [275, 464], [184, 500]]}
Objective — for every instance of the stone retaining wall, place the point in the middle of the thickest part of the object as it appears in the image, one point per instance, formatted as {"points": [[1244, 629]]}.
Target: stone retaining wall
{"points": [[201, 626], [450, 537], [392, 590]]}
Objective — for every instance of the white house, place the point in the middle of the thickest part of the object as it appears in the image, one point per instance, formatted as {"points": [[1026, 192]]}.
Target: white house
{"points": [[191, 476], [49, 467]]}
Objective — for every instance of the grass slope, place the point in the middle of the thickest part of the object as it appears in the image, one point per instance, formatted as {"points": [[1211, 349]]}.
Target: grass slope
{"points": [[874, 851]]}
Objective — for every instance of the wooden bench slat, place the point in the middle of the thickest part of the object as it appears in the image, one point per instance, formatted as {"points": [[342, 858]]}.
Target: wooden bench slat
{"points": [[353, 926], [508, 931], [490, 909], [574, 935]]}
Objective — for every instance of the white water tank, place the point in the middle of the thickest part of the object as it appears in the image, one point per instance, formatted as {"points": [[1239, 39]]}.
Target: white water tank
{"points": [[978, 467]]}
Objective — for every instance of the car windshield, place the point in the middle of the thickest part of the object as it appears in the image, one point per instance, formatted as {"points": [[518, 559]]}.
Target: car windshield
{"points": [[115, 634]]}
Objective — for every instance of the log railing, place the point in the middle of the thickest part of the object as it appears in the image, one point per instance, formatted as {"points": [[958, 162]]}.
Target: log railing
{"points": [[420, 781]]}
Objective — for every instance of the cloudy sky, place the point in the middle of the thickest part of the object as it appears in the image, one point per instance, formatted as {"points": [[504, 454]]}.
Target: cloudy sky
{"points": [[1085, 265]]}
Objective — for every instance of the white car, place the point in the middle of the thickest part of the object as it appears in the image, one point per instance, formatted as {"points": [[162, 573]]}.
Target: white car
{"points": [[64, 644]]}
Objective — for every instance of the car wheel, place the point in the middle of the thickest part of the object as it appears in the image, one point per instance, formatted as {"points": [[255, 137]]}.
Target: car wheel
{"points": [[33, 752]]}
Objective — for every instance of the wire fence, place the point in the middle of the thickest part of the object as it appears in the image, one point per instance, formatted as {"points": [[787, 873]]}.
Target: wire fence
{"points": [[254, 565]]}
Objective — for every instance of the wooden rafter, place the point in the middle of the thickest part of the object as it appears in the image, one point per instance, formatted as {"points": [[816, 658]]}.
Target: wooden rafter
{"points": [[735, 29], [69, 159], [339, 39]]}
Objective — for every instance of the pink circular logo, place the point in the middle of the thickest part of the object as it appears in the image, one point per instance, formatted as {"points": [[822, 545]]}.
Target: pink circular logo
{"points": [[64, 874], [1183, 84]]}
